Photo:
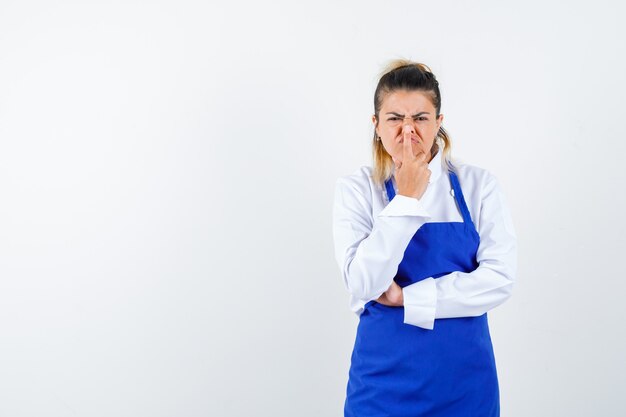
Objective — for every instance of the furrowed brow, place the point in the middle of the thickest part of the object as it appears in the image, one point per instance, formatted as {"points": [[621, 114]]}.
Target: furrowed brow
{"points": [[402, 115]]}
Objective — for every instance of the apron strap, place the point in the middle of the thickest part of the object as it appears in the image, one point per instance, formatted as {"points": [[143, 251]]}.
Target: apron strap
{"points": [[391, 193], [460, 200]]}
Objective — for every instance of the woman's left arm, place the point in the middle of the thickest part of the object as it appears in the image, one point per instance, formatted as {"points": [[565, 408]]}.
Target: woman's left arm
{"points": [[469, 294]]}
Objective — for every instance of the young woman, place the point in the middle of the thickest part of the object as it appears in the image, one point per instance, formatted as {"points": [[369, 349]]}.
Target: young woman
{"points": [[426, 246]]}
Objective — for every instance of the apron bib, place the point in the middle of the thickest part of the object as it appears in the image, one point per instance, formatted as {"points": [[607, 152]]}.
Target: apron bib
{"points": [[400, 370]]}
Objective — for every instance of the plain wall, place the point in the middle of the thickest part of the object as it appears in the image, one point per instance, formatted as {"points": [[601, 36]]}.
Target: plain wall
{"points": [[167, 172]]}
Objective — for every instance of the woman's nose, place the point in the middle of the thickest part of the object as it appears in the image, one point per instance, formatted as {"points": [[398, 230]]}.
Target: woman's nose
{"points": [[408, 124]]}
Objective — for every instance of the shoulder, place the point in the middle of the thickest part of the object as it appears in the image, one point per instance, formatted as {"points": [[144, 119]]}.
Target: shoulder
{"points": [[481, 184], [359, 180], [473, 175], [357, 185]]}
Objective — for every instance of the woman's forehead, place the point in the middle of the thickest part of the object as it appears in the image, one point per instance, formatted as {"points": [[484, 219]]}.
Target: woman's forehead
{"points": [[403, 100]]}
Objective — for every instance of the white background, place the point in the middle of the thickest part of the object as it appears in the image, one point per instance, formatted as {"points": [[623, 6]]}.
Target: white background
{"points": [[167, 172]]}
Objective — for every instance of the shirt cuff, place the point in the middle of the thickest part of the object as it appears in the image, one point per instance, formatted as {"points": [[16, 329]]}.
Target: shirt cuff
{"points": [[420, 302], [402, 205]]}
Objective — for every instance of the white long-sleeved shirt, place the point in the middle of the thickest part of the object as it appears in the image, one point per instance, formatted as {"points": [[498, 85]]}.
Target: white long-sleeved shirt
{"points": [[371, 235]]}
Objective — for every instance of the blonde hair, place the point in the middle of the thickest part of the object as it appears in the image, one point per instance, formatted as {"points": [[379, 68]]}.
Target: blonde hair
{"points": [[402, 74]]}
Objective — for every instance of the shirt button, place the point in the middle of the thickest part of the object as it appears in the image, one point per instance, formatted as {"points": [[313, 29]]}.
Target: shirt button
{"points": [[452, 192]]}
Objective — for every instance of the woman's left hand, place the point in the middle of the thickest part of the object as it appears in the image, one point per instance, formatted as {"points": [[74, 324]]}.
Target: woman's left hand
{"points": [[392, 297]]}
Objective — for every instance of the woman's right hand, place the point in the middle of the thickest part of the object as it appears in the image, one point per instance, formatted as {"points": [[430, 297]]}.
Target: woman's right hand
{"points": [[412, 174], [393, 297]]}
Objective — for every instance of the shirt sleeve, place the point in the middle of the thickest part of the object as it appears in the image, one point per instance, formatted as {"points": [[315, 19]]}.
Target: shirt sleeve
{"points": [[369, 249], [469, 294]]}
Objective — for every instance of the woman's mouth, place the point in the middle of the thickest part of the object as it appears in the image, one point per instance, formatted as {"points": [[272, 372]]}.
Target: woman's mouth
{"points": [[414, 140]]}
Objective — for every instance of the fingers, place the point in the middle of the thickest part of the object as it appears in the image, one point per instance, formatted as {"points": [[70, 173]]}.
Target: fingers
{"points": [[407, 148], [382, 299], [394, 294]]}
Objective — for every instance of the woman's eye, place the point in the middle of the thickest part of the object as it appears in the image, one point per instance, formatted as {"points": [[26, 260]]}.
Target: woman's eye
{"points": [[395, 119]]}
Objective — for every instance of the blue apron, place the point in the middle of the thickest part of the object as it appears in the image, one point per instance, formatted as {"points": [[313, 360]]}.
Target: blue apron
{"points": [[400, 370]]}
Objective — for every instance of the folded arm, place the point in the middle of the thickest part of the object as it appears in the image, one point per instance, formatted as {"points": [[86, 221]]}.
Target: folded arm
{"points": [[469, 294], [368, 250]]}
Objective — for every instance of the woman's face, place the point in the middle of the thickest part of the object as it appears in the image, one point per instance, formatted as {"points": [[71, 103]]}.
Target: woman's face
{"points": [[413, 108]]}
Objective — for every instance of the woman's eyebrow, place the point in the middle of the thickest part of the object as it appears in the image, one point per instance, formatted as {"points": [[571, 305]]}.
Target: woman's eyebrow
{"points": [[402, 115]]}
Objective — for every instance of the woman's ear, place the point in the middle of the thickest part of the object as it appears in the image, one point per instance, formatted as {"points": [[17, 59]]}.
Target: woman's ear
{"points": [[374, 123], [439, 121]]}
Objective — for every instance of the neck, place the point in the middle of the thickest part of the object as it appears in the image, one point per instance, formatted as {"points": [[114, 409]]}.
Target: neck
{"points": [[433, 151]]}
